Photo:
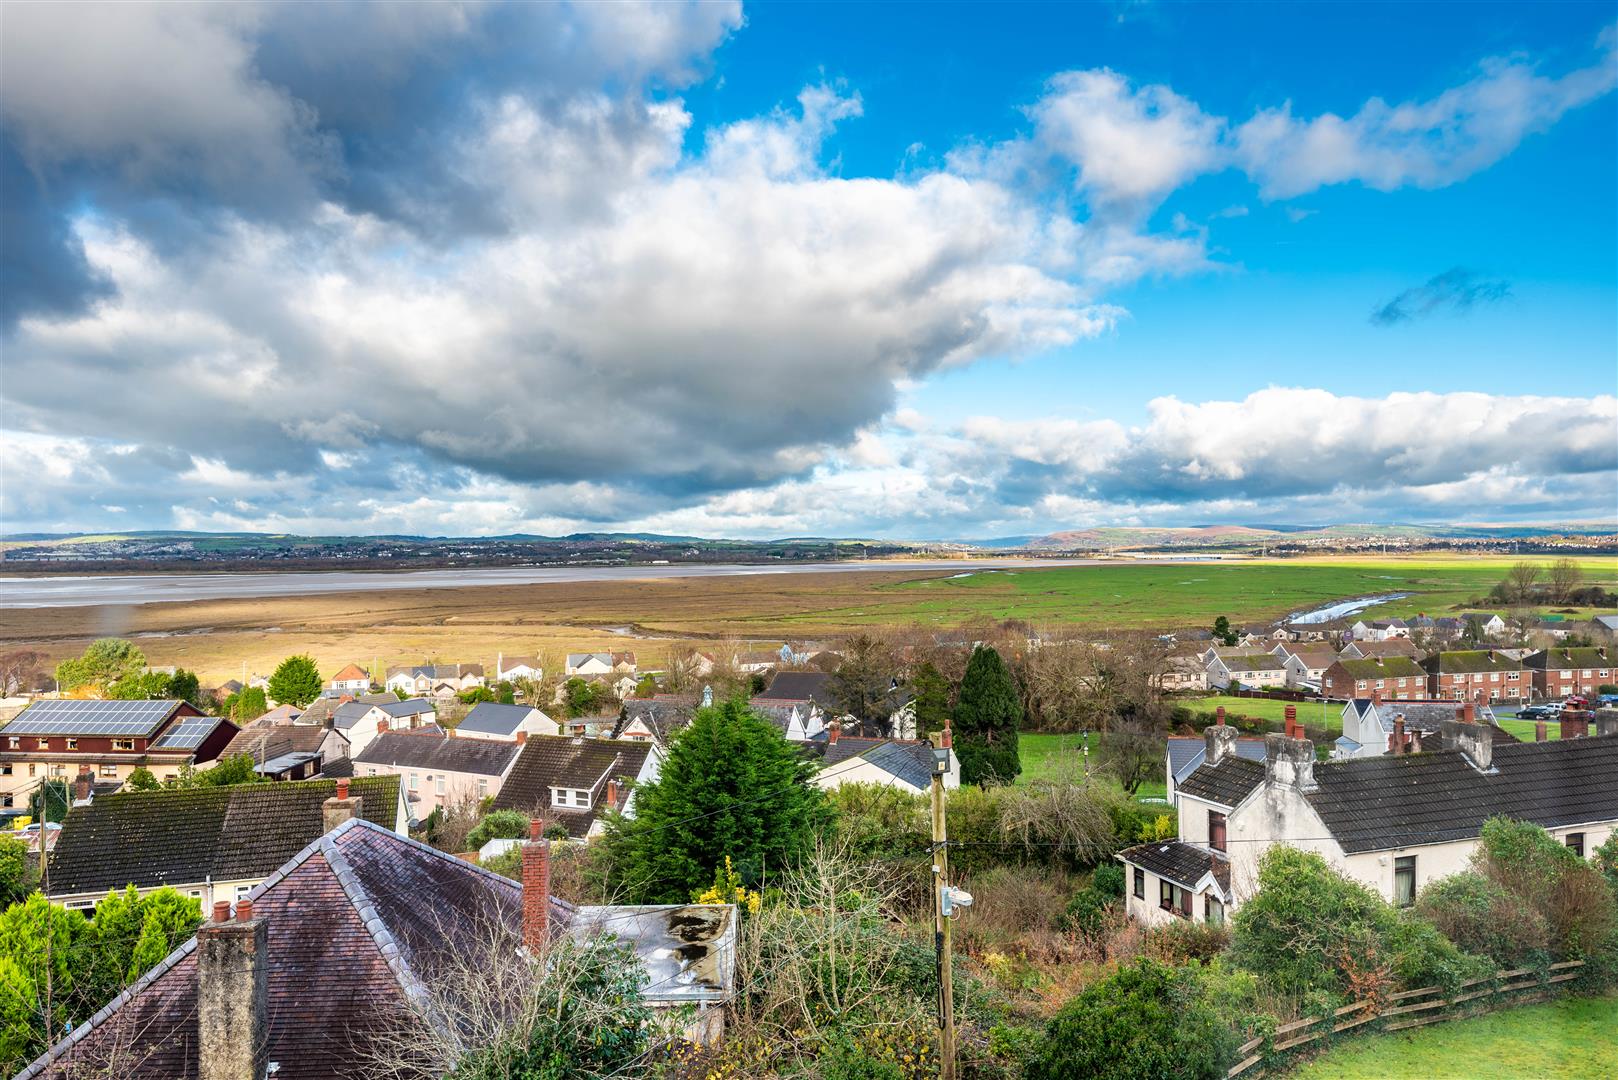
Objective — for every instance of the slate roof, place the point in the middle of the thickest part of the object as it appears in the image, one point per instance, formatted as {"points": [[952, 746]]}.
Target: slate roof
{"points": [[1469, 661], [911, 762], [357, 921], [493, 718], [1423, 716], [1183, 864], [408, 707], [413, 750], [1565, 659], [1378, 803], [802, 686], [664, 716], [561, 761], [1226, 783], [1187, 754], [155, 838], [1383, 667], [1390, 647], [320, 710]]}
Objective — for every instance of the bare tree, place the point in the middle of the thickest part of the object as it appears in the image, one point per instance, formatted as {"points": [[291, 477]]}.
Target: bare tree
{"points": [[1520, 581], [1565, 577], [1133, 750], [18, 666], [864, 682]]}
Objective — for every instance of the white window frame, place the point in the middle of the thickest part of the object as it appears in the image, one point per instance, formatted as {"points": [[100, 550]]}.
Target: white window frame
{"points": [[571, 798]]}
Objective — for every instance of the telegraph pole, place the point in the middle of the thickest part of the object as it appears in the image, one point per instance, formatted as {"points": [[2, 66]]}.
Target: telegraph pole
{"points": [[941, 927]]}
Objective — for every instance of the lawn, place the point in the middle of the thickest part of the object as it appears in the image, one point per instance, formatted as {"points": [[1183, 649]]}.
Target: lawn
{"points": [[1061, 757], [1573, 1037]]}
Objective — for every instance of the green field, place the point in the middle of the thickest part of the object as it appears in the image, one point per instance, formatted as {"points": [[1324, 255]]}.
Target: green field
{"points": [[1130, 595], [1061, 757], [1573, 1037]]}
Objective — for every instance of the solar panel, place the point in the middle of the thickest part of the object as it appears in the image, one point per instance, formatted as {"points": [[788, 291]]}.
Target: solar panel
{"points": [[73, 717], [187, 734]]}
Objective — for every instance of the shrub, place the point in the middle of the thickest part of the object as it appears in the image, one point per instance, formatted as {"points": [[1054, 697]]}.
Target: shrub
{"points": [[1108, 880], [1184, 941], [1480, 916], [1605, 860], [498, 825], [1421, 955], [1086, 913], [1146, 1020], [1543, 875], [1304, 918], [843, 1060]]}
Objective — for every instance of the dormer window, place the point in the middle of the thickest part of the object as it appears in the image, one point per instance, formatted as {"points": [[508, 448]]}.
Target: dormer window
{"points": [[571, 798]]}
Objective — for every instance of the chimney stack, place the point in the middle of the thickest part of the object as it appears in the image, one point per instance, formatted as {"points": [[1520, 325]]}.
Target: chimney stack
{"points": [[1575, 724], [1289, 761], [381, 727], [1220, 741], [522, 737], [1376, 697], [340, 807], [536, 889], [1398, 734], [1470, 739], [81, 788], [233, 995], [831, 734], [1607, 721]]}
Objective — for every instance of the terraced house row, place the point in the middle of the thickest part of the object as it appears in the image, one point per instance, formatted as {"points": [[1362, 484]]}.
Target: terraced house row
{"points": [[1476, 675]]}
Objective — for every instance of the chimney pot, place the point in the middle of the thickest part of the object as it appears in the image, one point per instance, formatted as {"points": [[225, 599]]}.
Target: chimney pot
{"points": [[831, 734], [1399, 734], [1376, 697], [522, 737], [342, 787], [536, 829], [612, 795], [1541, 731], [381, 727], [244, 910], [221, 911]]}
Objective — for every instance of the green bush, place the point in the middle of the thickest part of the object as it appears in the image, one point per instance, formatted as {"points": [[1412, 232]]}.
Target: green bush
{"points": [[1184, 941], [1420, 955], [1147, 1020], [498, 825], [1481, 916], [1306, 921], [1109, 880], [1086, 913], [842, 1059], [1544, 875]]}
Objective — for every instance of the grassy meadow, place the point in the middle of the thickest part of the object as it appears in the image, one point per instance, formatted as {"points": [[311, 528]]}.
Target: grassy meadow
{"points": [[1572, 1038], [474, 623]]}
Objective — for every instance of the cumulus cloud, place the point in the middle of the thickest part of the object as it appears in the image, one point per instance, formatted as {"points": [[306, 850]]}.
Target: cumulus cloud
{"points": [[1457, 290]]}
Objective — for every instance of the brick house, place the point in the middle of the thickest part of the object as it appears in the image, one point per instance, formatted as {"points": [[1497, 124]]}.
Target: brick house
{"points": [[1560, 673], [1476, 675], [61, 738], [1393, 678]]}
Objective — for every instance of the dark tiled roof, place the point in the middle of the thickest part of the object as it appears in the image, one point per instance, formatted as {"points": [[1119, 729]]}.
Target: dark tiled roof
{"points": [[484, 757], [1186, 753], [1565, 659], [1253, 662], [911, 762], [265, 741], [549, 761], [1226, 783], [155, 838], [1383, 667], [493, 718], [1469, 661], [356, 920], [1183, 864], [802, 686], [1390, 647], [1376, 803]]}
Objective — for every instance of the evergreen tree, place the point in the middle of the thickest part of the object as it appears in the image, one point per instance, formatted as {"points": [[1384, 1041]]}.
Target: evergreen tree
{"points": [[732, 785], [932, 691], [987, 717], [1223, 633], [296, 681], [103, 663]]}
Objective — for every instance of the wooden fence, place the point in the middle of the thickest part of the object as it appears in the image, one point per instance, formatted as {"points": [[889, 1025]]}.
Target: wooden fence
{"points": [[1410, 1009]]}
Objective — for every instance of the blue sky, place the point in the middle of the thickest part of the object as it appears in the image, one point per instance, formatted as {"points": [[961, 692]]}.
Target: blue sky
{"points": [[953, 270]]}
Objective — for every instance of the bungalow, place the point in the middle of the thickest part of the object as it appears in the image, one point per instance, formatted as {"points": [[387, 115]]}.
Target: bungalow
{"points": [[422, 679], [353, 679], [573, 781], [1561, 673], [1257, 669], [1483, 624], [1391, 677], [1380, 629], [439, 770], [58, 738], [898, 763], [512, 723], [1367, 650], [211, 843], [1476, 675], [361, 721], [600, 663], [513, 668], [1392, 822], [296, 982]]}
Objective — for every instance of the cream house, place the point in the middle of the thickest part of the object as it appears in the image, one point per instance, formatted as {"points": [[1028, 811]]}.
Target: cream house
{"points": [[1394, 822], [899, 763], [439, 770]]}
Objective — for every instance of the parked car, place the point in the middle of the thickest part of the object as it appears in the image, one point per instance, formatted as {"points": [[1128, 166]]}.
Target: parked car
{"points": [[1535, 712]]}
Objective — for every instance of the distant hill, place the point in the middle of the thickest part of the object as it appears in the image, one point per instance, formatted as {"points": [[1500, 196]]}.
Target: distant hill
{"points": [[1246, 536]]}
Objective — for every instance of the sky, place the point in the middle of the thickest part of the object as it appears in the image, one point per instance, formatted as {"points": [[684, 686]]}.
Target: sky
{"points": [[915, 271]]}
